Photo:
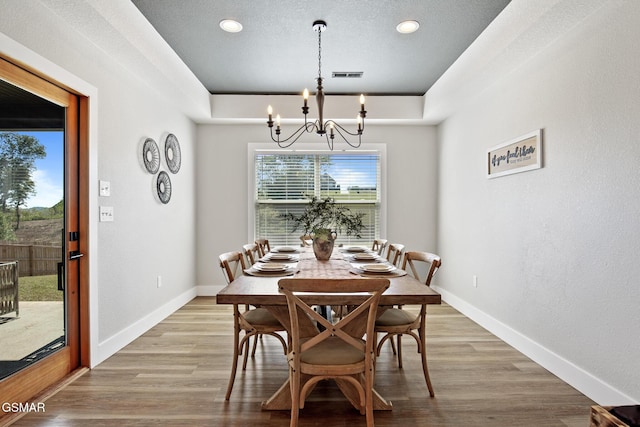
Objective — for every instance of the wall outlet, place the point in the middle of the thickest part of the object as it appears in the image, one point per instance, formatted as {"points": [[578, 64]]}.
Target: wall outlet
{"points": [[159, 281], [475, 281]]}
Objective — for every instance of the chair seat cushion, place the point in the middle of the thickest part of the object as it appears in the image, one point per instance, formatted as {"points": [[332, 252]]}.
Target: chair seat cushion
{"points": [[332, 351], [260, 316], [395, 317]]}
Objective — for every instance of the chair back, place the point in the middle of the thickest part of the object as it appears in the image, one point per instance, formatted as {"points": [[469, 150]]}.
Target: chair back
{"points": [[229, 263], [307, 241], [434, 262], [263, 246], [394, 254], [251, 253], [9, 286], [379, 246], [347, 329]]}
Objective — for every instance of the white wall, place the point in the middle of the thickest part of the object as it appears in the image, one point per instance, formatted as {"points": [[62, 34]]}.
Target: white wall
{"points": [[77, 44], [555, 249], [222, 189]]}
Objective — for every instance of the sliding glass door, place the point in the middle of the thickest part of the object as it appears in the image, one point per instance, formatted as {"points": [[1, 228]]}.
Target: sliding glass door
{"points": [[31, 229], [40, 233]]}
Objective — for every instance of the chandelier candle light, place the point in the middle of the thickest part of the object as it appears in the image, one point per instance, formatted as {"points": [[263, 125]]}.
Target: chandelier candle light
{"points": [[318, 126]]}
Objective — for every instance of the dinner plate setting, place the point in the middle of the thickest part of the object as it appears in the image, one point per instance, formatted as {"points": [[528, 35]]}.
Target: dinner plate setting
{"points": [[366, 257], [285, 249], [280, 257], [269, 266], [355, 249], [377, 269], [272, 269]]}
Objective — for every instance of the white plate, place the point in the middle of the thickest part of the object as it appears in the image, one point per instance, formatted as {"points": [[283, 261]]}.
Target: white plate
{"points": [[355, 249], [280, 257], [286, 249], [270, 266], [364, 256], [377, 268]]}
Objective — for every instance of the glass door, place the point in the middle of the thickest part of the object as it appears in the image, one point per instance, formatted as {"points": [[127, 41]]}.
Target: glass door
{"points": [[40, 236], [32, 308]]}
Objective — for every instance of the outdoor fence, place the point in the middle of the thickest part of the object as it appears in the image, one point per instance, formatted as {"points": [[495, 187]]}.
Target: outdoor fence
{"points": [[33, 260]]}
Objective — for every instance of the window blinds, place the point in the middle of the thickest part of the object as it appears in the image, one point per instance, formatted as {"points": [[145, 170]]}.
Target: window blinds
{"points": [[286, 181]]}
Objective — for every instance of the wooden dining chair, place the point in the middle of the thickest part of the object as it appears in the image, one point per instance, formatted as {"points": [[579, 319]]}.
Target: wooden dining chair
{"points": [[339, 352], [251, 253], [307, 241], [379, 246], [254, 322], [397, 322], [263, 246], [394, 253]]}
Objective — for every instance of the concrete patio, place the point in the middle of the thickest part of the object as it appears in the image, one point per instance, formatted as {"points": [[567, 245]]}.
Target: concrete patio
{"points": [[39, 323]]}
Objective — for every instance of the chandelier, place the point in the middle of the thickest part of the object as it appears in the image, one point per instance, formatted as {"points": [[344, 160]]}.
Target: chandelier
{"points": [[327, 128]]}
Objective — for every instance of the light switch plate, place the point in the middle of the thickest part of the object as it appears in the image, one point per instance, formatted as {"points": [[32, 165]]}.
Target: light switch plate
{"points": [[106, 213], [105, 188]]}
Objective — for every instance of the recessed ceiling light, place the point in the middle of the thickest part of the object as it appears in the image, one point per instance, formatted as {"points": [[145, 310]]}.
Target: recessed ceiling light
{"points": [[231, 26], [407, 27]]}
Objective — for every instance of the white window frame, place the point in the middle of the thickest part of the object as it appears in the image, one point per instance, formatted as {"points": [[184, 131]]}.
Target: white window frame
{"points": [[308, 148]]}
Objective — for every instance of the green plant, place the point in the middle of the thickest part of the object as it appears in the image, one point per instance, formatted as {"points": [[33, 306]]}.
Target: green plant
{"points": [[6, 228], [321, 216]]}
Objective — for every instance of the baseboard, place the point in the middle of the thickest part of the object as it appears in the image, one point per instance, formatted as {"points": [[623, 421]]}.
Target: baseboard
{"points": [[110, 346], [581, 380]]}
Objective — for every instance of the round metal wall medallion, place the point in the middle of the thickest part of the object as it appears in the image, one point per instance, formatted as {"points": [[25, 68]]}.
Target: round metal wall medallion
{"points": [[151, 155], [172, 153], [164, 187]]}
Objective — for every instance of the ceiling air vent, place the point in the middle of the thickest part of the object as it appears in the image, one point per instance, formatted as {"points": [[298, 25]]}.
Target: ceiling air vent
{"points": [[347, 74]]}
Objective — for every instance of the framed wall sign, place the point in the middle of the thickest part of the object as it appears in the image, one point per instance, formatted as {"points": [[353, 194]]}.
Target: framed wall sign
{"points": [[517, 155]]}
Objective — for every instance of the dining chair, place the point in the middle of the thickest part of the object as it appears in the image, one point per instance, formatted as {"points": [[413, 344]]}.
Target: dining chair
{"points": [[307, 241], [339, 352], [251, 253], [397, 322], [254, 322], [263, 246], [394, 254], [379, 246]]}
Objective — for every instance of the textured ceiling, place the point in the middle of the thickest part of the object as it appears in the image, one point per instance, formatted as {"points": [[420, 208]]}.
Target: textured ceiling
{"points": [[277, 51]]}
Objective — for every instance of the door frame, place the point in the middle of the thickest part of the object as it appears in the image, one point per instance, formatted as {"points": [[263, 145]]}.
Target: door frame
{"points": [[33, 380]]}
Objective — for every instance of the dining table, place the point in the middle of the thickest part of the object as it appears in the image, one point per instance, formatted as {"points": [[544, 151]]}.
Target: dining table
{"points": [[258, 286]]}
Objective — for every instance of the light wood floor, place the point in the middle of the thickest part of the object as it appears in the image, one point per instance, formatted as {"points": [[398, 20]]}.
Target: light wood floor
{"points": [[176, 375]]}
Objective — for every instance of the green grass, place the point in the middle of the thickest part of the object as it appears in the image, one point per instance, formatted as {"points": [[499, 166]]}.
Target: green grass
{"points": [[39, 288]]}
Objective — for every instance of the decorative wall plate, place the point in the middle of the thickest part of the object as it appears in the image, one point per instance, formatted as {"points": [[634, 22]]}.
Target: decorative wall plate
{"points": [[151, 155], [164, 187], [172, 153]]}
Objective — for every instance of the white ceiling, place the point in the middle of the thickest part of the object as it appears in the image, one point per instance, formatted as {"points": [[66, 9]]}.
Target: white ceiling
{"points": [[277, 51]]}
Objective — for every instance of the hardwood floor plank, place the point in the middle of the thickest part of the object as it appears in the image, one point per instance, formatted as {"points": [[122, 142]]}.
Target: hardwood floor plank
{"points": [[176, 375]]}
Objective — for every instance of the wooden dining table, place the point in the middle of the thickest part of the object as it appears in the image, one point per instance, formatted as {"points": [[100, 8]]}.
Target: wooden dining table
{"points": [[260, 288]]}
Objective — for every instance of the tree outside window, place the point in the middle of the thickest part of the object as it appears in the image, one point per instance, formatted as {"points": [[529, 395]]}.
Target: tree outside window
{"points": [[18, 154]]}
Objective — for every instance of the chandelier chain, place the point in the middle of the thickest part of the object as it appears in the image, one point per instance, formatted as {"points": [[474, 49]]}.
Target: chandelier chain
{"points": [[319, 54]]}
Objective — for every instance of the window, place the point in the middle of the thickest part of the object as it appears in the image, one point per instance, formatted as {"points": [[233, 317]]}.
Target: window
{"points": [[284, 181]]}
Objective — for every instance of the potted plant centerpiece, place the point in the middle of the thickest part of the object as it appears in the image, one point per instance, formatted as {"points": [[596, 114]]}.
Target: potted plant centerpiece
{"points": [[323, 219]]}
